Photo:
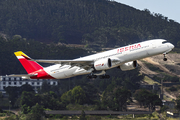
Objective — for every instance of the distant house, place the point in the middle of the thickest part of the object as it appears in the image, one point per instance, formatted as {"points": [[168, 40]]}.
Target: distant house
{"points": [[6, 81], [150, 87], [170, 104], [169, 84], [172, 114]]}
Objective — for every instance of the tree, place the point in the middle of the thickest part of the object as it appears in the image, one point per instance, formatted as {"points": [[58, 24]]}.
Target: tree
{"points": [[25, 109], [178, 103], [147, 98], [91, 92], [49, 100], [78, 95], [45, 87], [27, 88], [116, 99], [27, 101], [66, 97], [37, 111], [13, 94], [120, 98], [1, 96], [83, 115]]}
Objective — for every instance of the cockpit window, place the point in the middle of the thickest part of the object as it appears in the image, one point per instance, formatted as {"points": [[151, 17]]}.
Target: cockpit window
{"points": [[164, 42]]}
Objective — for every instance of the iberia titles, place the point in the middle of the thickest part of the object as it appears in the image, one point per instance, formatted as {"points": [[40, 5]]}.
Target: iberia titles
{"points": [[131, 47]]}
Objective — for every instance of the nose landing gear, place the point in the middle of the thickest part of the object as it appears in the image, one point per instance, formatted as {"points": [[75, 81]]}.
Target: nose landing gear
{"points": [[165, 59]]}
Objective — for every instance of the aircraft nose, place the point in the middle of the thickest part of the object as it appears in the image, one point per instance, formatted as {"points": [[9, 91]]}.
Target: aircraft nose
{"points": [[171, 46]]}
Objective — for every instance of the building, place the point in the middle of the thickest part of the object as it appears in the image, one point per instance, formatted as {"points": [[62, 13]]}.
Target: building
{"points": [[172, 114], [170, 104], [150, 87], [6, 81]]}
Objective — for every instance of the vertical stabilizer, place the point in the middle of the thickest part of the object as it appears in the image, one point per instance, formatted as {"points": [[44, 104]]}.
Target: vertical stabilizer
{"points": [[29, 66]]}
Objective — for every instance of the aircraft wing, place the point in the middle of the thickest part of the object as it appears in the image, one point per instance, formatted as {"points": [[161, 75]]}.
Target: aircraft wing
{"points": [[81, 63]]}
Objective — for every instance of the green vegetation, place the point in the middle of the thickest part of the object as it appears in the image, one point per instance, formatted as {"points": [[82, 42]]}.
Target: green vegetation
{"points": [[74, 96], [150, 81], [81, 94], [103, 22], [1, 97], [173, 89], [28, 25], [153, 68], [34, 49], [147, 99], [168, 78], [115, 99]]}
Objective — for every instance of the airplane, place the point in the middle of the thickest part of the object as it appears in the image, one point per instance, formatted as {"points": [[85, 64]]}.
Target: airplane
{"points": [[95, 65]]}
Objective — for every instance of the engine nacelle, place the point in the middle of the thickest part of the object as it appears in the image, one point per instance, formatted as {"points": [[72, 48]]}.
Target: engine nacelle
{"points": [[103, 64], [129, 65]]}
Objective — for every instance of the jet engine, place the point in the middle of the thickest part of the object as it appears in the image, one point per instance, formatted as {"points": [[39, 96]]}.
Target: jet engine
{"points": [[129, 65], [103, 64]]}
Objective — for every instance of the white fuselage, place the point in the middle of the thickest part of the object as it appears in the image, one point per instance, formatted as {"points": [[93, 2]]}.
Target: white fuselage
{"points": [[124, 54]]}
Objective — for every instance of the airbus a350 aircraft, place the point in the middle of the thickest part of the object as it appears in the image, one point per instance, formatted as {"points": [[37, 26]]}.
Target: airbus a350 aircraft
{"points": [[95, 65]]}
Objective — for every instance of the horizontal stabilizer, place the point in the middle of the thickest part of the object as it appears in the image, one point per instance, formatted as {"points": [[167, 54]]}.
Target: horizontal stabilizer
{"points": [[24, 76]]}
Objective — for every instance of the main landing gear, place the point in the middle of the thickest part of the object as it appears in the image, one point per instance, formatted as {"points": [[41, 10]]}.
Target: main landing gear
{"points": [[165, 59], [104, 77], [101, 76], [91, 76]]}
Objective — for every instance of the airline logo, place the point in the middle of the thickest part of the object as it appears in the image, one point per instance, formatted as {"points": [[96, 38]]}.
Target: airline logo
{"points": [[131, 47], [100, 65], [21, 55]]}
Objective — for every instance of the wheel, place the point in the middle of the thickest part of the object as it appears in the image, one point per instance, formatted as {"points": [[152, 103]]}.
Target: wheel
{"points": [[94, 76], [107, 76], [101, 77], [89, 77], [165, 59]]}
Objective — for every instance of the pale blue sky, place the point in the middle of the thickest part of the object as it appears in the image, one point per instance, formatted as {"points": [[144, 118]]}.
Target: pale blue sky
{"points": [[168, 8]]}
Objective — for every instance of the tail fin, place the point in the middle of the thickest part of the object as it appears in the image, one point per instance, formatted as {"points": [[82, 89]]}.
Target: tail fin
{"points": [[30, 66]]}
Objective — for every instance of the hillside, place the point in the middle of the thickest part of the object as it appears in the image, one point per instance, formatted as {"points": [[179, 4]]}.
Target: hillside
{"points": [[33, 26], [156, 69], [155, 66], [104, 23]]}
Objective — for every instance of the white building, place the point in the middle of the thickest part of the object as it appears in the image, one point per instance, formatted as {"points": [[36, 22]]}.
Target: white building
{"points": [[6, 81]]}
